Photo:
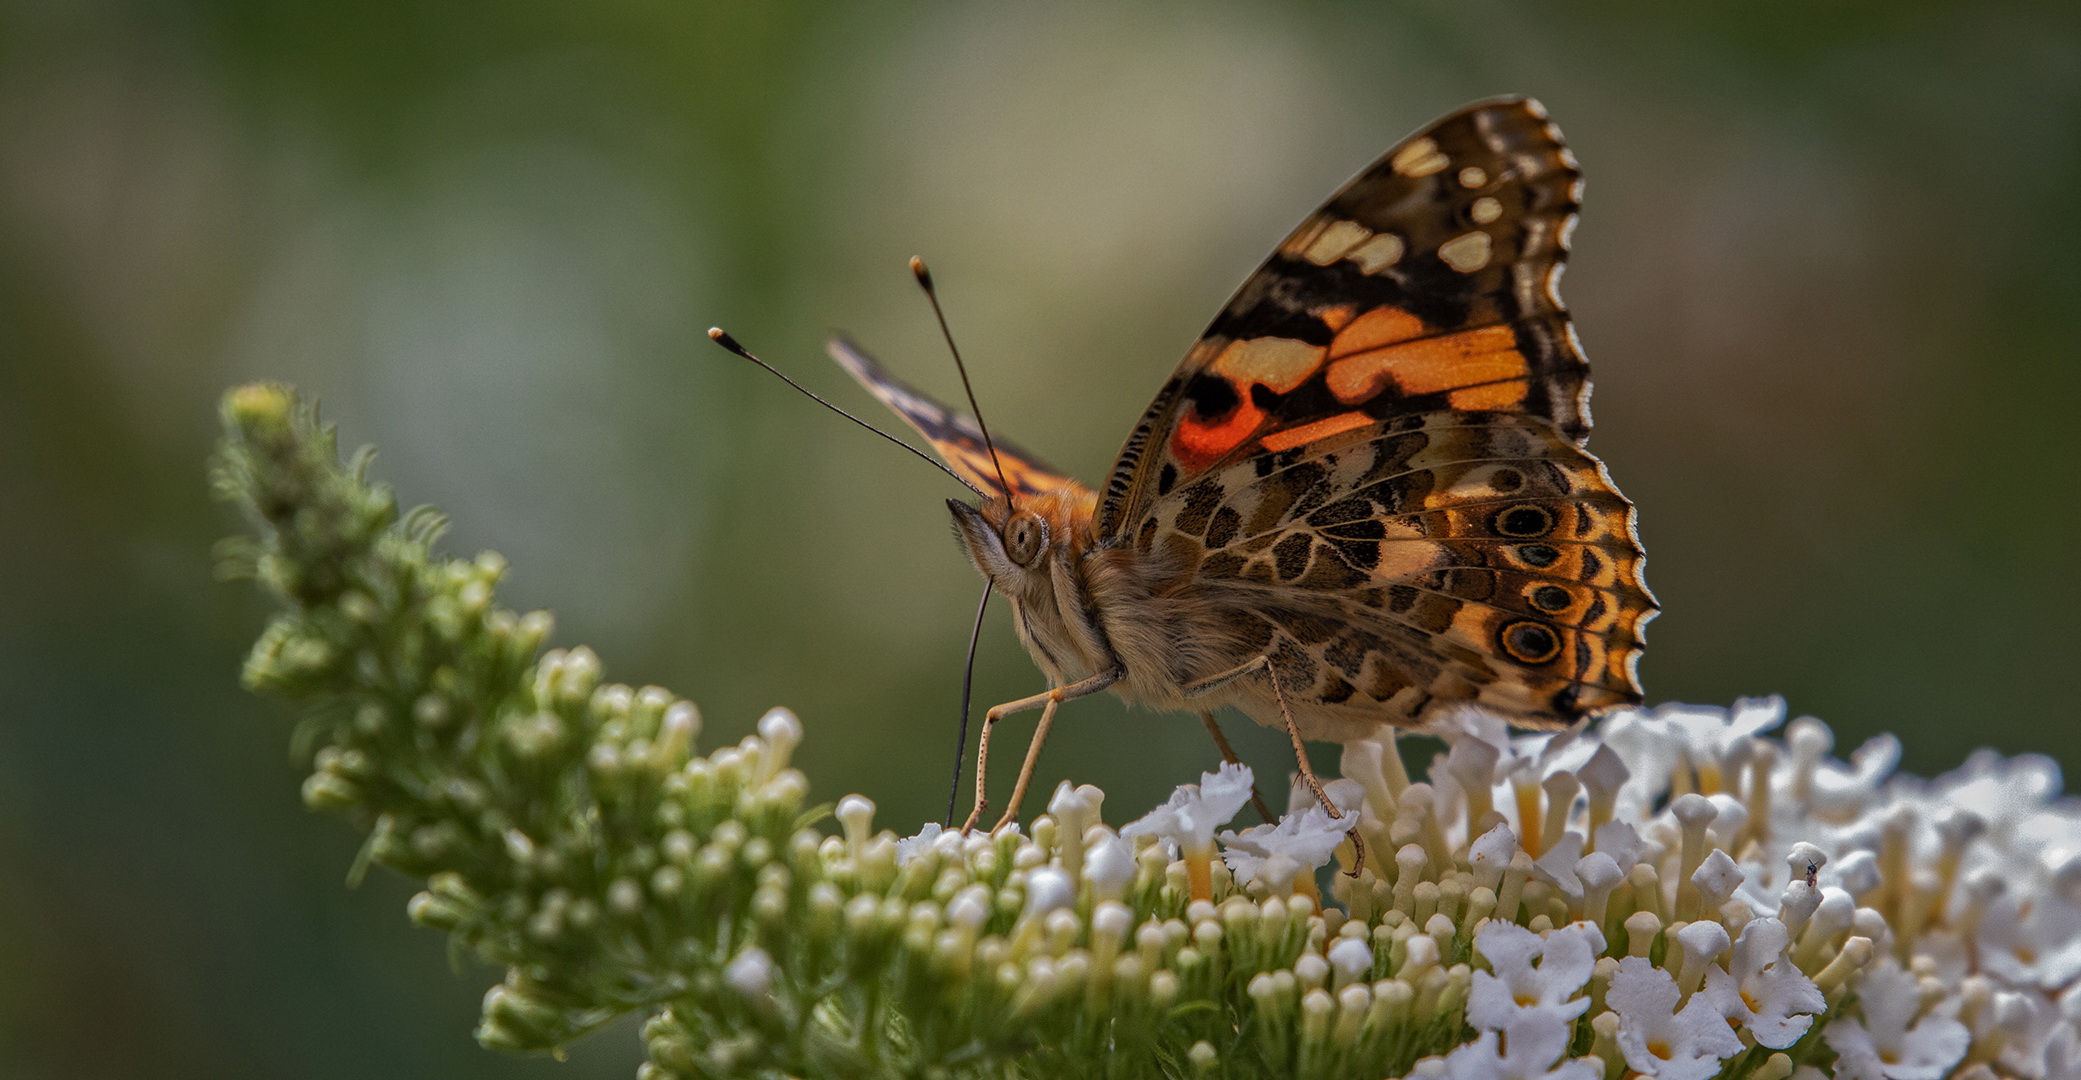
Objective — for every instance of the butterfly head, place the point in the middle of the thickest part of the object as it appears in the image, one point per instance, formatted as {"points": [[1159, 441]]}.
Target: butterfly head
{"points": [[1018, 546], [1008, 545], [1031, 552]]}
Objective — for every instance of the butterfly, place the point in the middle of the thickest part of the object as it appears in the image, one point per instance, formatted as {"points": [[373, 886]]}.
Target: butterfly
{"points": [[1362, 499]]}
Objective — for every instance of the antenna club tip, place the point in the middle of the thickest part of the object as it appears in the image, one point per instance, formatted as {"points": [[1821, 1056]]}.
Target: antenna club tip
{"points": [[717, 335], [918, 270]]}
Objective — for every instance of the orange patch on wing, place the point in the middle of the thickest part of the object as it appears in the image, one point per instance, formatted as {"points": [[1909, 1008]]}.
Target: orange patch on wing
{"points": [[1378, 327], [1199, 442], [1031, 479], [1320, 429], [1275, 363], [1429, 365], [1336, 318], [1502, 395]]}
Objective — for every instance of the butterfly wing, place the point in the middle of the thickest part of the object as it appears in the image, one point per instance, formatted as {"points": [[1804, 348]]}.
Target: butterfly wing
{"points": [[956, 438], [1374, 454], [1432, 559]]}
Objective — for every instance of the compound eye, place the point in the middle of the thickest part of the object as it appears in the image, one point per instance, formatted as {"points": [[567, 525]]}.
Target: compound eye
{"points": [[1024, 537]]}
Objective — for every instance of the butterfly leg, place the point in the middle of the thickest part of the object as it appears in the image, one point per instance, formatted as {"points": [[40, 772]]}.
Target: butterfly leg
{"points": [[1033, 750], [1228, 754], [1293, 731], [1045, 701], [1300, 749]]}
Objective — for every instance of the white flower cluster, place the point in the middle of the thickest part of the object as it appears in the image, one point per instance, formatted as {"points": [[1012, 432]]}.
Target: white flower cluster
{"points": [[1676, 894], [1929, 925]]}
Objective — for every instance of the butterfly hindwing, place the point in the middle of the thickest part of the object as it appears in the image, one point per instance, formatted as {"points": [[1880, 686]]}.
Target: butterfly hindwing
{"points": [[1424, 560], [1373, 457], [956, 438]]}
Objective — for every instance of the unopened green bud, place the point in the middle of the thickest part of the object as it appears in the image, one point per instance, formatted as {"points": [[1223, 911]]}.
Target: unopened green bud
{"points": [[370, 719], [860, 916], [581, 671], [534, 735], [677, 729], [430, 711], [432, 842], [547, 923], [261, 411], [1163, 989], [531, 631], [802, 851], [648, 709], [520, 1020], [388, 842], [781, 732], [770, 906], [826, 907], [453, 887], [699, 777], [712, 865], [430, 911], [782, 796], [329, 791], [359, 607]]}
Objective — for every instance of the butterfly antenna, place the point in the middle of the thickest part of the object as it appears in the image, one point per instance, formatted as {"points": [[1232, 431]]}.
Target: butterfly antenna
{"points": [[924, 276], [716, 334], [975, 634]]}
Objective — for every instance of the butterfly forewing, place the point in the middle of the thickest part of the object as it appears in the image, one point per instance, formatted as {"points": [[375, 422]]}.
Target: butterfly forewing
{"points": [[956, 438], [1372, 459], [1427, 283]]}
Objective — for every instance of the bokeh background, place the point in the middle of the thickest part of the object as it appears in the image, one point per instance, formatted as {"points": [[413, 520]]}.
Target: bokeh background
{"points": [[1827, 277]]}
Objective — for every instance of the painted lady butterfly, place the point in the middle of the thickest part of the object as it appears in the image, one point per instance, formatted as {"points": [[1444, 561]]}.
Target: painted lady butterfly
{"points": [[1362, 499]]}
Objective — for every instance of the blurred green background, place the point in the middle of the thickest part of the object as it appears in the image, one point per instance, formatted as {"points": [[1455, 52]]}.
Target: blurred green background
{"points": [[1827, 278]]}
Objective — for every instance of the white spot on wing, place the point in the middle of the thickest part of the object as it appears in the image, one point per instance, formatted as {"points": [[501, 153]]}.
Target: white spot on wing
{"points": [[1473, 176], [1485, 210], [1419, 158], [1338, 238], [1279, 363], [1377, 254], [1467, 253]]}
